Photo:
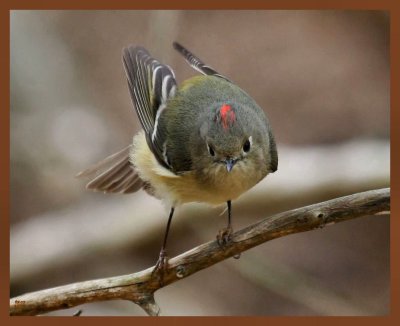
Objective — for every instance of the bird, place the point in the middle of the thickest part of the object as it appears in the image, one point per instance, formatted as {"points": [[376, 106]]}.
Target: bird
{"points": [[204, 141]]}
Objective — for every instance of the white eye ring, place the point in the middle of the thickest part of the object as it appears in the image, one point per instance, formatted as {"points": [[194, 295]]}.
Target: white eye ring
{"points": [[247, 145], [210, 150]]}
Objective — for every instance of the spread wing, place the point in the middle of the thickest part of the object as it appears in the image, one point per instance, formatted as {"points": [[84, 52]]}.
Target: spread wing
{"points": [[195, 62], [151, 84], [114, 174]]}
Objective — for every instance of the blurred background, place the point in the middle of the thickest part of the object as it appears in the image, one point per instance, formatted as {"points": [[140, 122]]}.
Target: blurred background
{"points": [[323, 79]]}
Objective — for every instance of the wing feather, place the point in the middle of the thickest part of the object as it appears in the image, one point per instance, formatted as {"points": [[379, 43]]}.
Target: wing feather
{"points": [[196, 63], [151, 85], [114, 174]]}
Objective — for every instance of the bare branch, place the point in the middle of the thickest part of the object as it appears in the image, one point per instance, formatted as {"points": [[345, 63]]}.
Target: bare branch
{"points": [[140, 287]]}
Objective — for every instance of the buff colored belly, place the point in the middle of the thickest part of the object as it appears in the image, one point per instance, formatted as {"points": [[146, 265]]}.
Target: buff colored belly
{"points": [[185, 188]]}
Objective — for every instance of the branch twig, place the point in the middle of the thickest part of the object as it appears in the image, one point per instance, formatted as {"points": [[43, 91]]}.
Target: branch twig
{"points": [[140, 287]]}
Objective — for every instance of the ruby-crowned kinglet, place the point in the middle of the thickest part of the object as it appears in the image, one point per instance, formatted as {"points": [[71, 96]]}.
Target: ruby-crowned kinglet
{"points": [[206, 141]]}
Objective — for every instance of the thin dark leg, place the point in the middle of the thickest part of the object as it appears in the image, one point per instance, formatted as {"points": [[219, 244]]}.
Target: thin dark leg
{"points": [[162, 261], [224, 235], [171, 213], [229, 214]]}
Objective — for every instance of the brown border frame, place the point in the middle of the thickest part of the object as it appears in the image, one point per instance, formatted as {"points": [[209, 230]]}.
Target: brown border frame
{"points": [[391, 6]]}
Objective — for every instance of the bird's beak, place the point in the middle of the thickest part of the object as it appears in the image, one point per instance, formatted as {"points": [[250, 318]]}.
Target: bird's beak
{"points": [[229, 164]]}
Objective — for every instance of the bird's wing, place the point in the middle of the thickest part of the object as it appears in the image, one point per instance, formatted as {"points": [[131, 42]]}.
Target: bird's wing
{"points": [[151, 85], [114, 174], [196, 63], [273, 166]]}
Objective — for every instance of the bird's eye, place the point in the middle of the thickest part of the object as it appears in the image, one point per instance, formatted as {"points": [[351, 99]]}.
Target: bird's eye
{"points": [[210, 150], [246, 146]]}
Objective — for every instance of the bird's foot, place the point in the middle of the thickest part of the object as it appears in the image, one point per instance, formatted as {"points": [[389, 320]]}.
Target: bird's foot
{"points": [[224, 236], [161, 266]]}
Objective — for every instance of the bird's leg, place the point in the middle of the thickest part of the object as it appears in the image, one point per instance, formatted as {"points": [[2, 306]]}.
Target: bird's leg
{"points": [[162, 262], [224, 235]]}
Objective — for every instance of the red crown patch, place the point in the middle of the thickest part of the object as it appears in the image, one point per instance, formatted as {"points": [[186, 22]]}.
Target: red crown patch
{"points": [[227, 115]]}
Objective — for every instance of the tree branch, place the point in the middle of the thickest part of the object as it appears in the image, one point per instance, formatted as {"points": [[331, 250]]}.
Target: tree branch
{"points": [[140, 287]]}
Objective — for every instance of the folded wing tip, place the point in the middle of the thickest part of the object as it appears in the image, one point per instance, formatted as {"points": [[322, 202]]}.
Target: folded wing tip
{"points": [[176, 45]]}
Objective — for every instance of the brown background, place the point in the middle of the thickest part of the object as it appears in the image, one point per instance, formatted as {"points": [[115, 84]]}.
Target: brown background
{"points": [[69, 105]]}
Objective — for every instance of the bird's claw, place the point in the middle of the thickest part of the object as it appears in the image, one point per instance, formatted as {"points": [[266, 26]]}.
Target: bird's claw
{"points": [[161, 266], [224, 236]]}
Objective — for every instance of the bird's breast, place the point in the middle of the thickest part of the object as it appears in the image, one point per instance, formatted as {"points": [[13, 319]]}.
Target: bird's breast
{"points": [[214, 185]]}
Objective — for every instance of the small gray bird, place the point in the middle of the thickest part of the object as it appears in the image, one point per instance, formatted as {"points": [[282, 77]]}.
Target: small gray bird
{"points": [[206, 141]]}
